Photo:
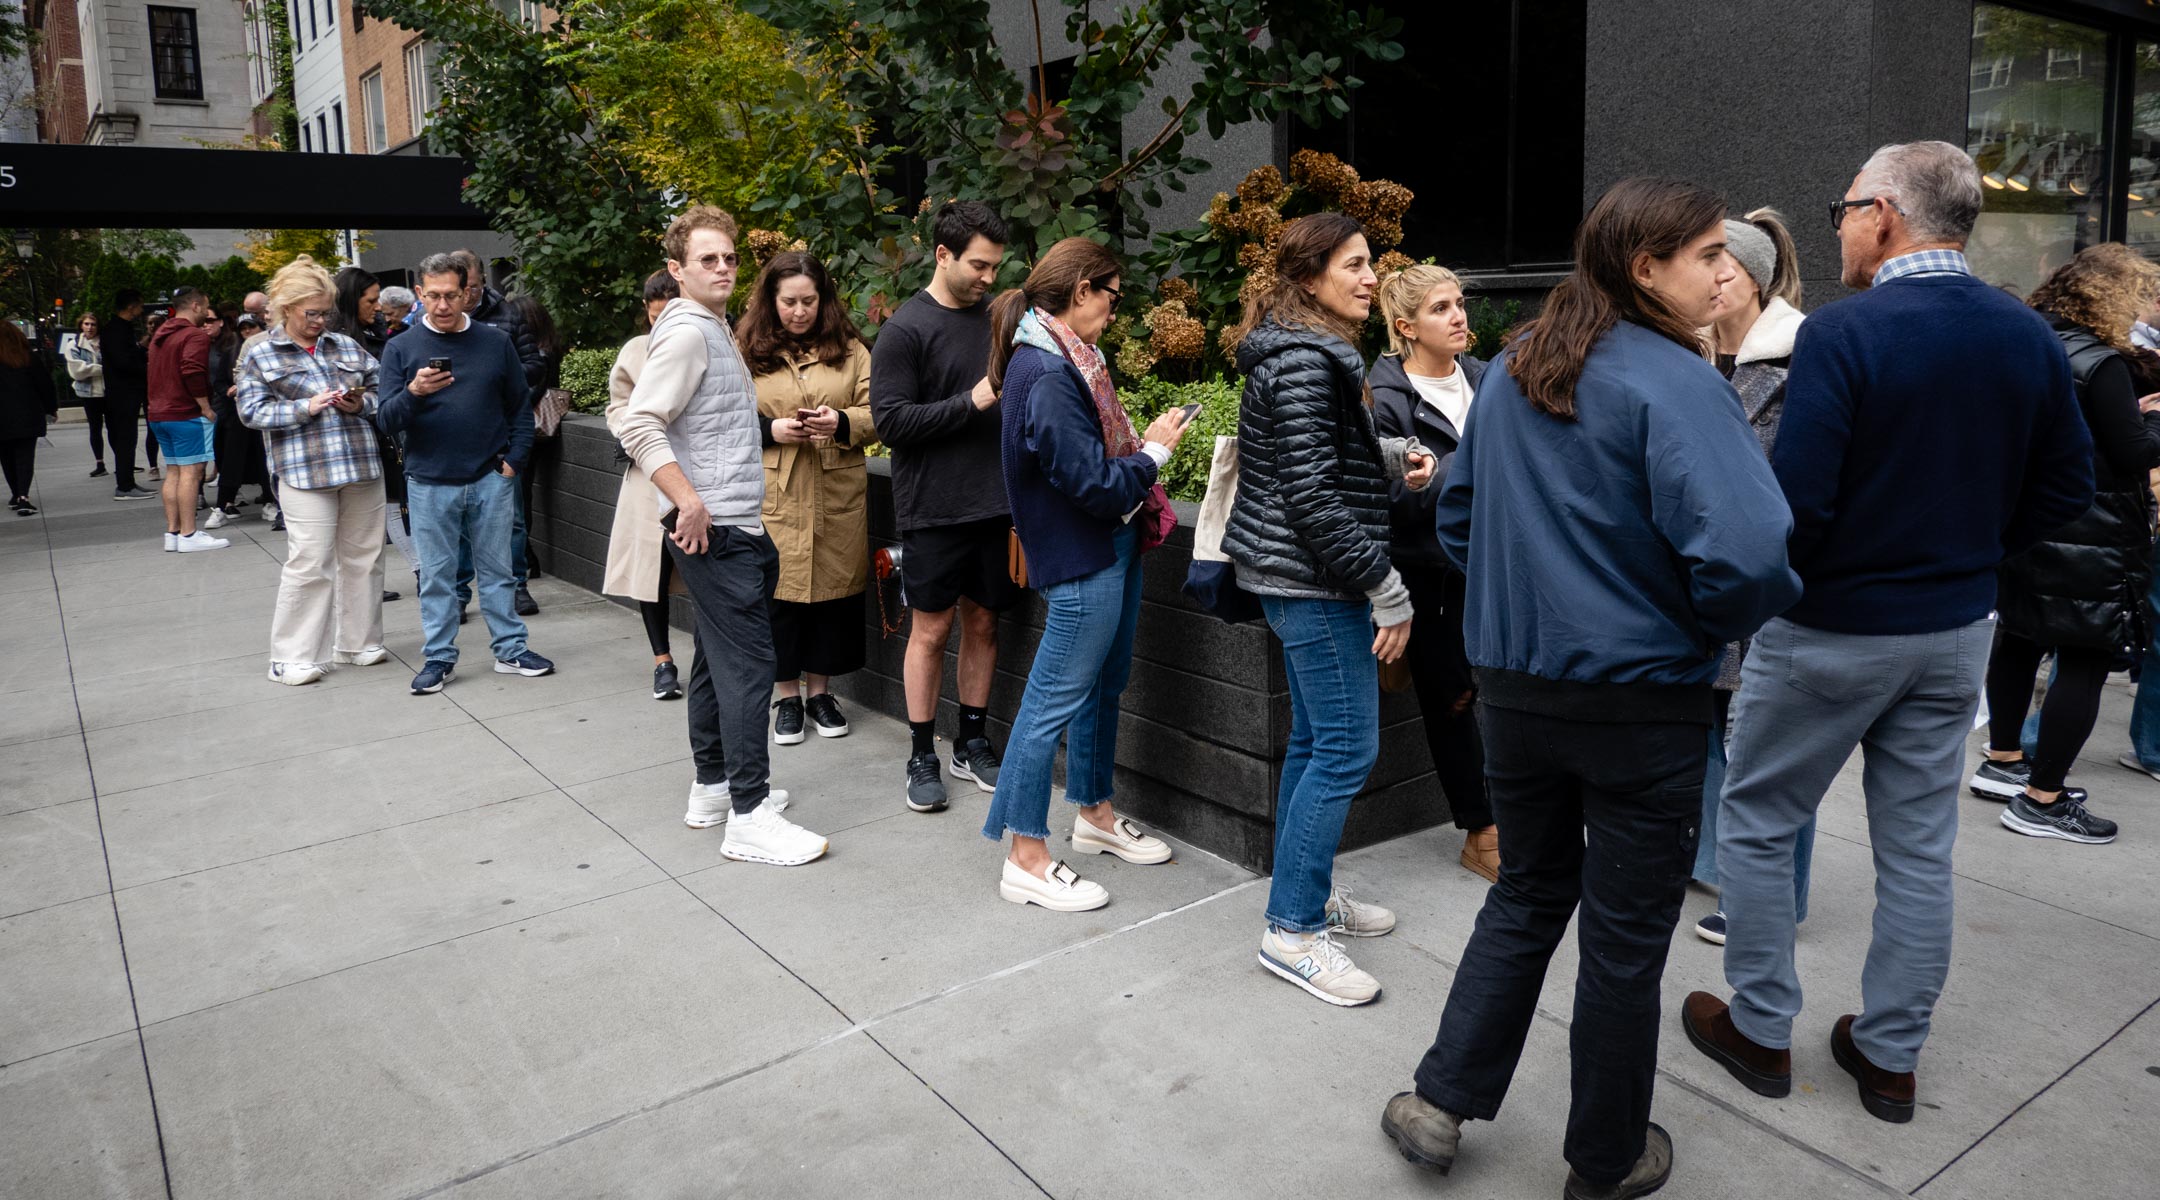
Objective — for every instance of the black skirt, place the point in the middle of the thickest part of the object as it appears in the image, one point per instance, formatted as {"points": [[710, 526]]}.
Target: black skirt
{"points": [[829, 637]]}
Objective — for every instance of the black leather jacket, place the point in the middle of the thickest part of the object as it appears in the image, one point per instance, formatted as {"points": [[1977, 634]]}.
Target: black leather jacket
{"points": [[1398, 412], [1312, 500]]}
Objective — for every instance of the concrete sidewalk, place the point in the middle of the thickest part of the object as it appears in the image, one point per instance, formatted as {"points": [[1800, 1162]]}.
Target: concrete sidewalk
{"points": [[343, 941]]}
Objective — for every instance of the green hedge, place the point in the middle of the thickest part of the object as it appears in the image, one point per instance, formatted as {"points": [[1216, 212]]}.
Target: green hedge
{"points": [[585, 376]]}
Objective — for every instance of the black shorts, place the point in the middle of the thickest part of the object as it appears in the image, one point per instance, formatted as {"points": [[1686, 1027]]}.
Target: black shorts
{"points": [[942, 563]]}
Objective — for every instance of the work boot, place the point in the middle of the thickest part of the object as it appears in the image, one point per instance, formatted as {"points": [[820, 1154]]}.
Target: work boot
{"points": [[1426, 1134], [1650, 1173]]}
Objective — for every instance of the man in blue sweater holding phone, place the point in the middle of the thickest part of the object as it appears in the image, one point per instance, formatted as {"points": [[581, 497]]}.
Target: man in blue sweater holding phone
{"points": [[454, 392], [1930, 431]]}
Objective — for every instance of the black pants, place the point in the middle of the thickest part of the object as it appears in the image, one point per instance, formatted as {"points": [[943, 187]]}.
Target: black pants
{"points": [[123, 423], [824, 638], [93, 408], [18, 461], [1634, 793], [1440, 671], [655, 612], [729, 698], [2066, 716], [239, 458]]}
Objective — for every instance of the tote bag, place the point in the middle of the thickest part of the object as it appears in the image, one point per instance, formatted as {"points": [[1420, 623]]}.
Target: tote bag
{"points": [[1211, 581]]}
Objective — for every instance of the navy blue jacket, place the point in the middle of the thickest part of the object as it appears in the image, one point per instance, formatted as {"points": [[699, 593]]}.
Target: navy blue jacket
{"points": [[1931, 429], [1068, 498], [1627, 546]]}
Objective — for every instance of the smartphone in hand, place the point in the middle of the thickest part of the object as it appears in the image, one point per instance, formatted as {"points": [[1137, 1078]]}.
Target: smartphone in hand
{"points": [[438, 364], [1190, 411]]}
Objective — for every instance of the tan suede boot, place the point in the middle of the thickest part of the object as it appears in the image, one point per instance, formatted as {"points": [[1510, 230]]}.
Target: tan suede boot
{"points": [[1481, 853]]}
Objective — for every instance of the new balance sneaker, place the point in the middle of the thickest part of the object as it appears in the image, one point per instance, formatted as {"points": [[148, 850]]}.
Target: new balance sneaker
{"points": [[366, 657], [524, 603], [925, 791], [666, 682], [172, 541], [1314, 962], [2066, 819], [1060, 890], [294, 674], [762, 835], [1355, 918], [2131, 761], [1123, 839], [189, 543], [787, 725], [2001, 780], [710, 804], [433, 675], [216, 519], [977, 760], [825, 715], [527, 664], [1712, 928]]}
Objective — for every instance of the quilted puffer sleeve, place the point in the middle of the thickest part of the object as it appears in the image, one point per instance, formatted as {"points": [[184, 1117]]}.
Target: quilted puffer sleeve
{"points": [[1309, 467]]}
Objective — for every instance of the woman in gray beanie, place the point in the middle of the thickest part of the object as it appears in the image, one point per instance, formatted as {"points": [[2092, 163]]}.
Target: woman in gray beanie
{"points": [[1752, 330]]}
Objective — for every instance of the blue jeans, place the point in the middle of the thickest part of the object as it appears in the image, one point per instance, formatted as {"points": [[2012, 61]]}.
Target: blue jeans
{"points": [[1334, 738], [477, 514], [1713, 787], [1080, 670], [520, 566]]}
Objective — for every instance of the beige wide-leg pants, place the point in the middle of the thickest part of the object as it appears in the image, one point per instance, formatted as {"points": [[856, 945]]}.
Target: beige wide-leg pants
{"points": [[330, 597]]}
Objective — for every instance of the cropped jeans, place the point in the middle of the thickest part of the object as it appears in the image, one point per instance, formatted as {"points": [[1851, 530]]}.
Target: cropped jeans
{"points": [[1081, 669], [1334, 740]]}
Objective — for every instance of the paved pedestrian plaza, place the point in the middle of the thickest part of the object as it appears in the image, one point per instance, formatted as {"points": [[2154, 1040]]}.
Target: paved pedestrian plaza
{"points": [[344, 941]]}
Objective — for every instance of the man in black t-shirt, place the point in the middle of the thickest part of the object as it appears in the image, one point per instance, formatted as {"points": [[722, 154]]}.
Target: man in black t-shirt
{"points": [[934, 407]]}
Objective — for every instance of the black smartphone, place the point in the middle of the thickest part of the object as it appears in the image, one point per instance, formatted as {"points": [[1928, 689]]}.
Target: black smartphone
{"points": [[438, 364], [1190, 411]]}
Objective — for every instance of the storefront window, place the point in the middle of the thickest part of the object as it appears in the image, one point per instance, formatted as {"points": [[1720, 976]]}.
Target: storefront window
{"points": [[2034, 125], [2141, 226]]}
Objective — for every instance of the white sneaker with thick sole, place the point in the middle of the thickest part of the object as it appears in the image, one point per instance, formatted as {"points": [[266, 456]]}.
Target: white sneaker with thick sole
{"points": [[269, 514], [172, 542], [762, 835], [362, 658], [1062, 890], [189, 543], [2130, 761], [711, 803], [1123, 839], [216, 519], [1314, 962], [294, 674], [1355, 918]]}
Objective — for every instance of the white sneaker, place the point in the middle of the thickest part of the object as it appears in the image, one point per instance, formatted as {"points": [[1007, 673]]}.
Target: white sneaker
{"points": [[2130, 760], [1062, 890], [270, 514], [1355, 918], [762, 835], [198, 540], [1314, 962], [216, 519], [172, 542], [711, 803], [294, 674], [1123, 839], [363, 658]]}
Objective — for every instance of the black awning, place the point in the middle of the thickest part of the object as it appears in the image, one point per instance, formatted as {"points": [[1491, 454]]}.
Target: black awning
{"points": [[124, 187]]}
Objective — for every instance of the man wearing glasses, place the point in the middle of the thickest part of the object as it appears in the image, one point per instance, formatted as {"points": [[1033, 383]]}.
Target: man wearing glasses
{"points": [[1930, 430], [454, 389]]}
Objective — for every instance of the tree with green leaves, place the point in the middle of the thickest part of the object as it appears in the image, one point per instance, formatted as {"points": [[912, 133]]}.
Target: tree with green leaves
{"points": [[141, 243]]}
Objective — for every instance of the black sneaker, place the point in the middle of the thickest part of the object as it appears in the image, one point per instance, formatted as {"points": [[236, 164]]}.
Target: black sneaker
{"points": [[978, 761], [433, 675], [666, 684], [925, 791], [133, 494], [98, 471], [389, 596], [787, 723], [2001, 780], [1712, 928], [525, 604], [825, 716], [2066, 819]]}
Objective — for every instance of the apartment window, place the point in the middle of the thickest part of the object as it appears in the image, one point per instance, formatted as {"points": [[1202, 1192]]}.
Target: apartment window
{"points": [[529, 13], [359, 19], [307, 138], [322, 132], [314, 32], [420, 83], [329, 14], [2065, 64], [337, 122], [175, 56], [374, 122], [1991, 73]]}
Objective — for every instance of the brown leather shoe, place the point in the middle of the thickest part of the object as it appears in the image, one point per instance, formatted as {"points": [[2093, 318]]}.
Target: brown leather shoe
{"points": [[1708, 1022], [1887, 1095], [1481, 852]]}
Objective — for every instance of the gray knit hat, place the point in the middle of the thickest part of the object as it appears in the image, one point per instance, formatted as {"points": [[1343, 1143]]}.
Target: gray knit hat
{"points": [[1752, 248]]}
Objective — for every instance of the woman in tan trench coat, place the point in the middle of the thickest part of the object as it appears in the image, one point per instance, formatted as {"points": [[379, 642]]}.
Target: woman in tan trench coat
{"points": [[813, 388], [637, 567]]}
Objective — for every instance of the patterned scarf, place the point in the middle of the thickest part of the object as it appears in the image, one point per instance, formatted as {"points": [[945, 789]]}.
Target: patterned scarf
{"points": [[1045, 332]]}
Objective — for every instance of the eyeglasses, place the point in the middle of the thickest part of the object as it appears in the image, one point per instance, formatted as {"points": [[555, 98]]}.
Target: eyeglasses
{"points": [[712, 262], [1838, 208], [441, 297], [317, 314], [1116, 297]]}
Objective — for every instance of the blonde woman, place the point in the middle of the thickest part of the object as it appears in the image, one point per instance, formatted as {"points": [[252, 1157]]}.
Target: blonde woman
{"points": [[638, 567], [1422, 388], [312, 393]]}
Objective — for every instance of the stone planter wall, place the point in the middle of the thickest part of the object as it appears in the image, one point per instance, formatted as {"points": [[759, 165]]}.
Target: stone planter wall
{"points": [[1206, 717]]}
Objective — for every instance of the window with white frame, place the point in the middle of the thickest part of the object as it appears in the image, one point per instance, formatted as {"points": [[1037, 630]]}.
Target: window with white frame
{"points": [[2065, 64], [374, 120], [1991, 73], [421, 95]]}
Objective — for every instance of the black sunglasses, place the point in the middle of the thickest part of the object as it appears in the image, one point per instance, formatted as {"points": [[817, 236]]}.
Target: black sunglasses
{"points": [[1838, 208]]}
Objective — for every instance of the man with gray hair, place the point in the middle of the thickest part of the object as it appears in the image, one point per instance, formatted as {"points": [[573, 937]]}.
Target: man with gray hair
{"points": [[1930, 431]]}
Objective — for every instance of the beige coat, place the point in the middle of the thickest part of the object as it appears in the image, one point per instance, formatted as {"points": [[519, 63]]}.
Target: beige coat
{"points": [[815, 506], [634, 550]]}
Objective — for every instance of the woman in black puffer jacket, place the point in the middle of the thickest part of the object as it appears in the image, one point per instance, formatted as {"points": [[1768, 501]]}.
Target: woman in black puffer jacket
{"points": [[2081, 592], [1309, 535]]}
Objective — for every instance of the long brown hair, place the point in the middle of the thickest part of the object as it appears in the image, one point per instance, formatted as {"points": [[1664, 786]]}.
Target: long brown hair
{"points": [[2104, 288], [14, 347], [1049, 287], [765, 341], [1635, 217], [1302, 255]]}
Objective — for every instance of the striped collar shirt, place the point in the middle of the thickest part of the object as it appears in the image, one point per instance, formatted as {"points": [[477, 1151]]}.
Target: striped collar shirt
{"points": [[311, 451], [1922, 262]]}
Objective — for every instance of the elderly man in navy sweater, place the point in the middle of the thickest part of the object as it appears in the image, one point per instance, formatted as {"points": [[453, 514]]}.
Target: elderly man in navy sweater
{"points": [[1930, 431], [454, 389]]}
